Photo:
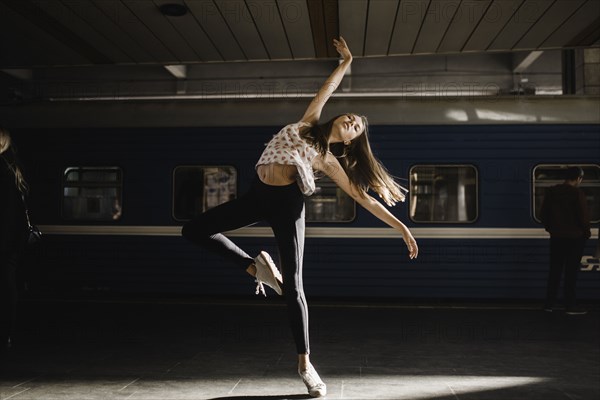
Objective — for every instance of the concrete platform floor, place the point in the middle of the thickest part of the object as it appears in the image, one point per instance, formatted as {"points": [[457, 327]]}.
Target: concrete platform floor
{"points": [[242, 349]]}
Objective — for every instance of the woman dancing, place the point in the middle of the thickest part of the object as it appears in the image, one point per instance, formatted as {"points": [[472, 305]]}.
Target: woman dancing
{"points": [[285, 174]]}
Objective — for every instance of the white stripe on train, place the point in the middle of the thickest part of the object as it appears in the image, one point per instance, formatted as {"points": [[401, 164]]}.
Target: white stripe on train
{"points": [[311, 232]]}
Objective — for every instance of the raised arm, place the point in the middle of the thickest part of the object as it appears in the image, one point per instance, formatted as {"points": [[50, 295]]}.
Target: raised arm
{"points": [[332, 168], [313, 112]]}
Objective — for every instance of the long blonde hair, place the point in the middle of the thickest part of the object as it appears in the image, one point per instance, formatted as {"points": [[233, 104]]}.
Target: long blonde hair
{"points": [[364, 170], [8, 153]]}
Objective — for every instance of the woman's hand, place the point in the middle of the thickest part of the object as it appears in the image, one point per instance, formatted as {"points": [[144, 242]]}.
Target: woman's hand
{"points": [[411, 243], [313, 112], [342, 48]]}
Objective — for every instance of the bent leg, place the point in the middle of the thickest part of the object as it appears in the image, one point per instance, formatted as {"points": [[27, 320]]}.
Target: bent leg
{"points": [[205, 230]]}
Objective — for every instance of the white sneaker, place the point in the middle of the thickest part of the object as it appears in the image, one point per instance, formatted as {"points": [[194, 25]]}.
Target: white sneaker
{"points": [[314, 384], [267, 273]]}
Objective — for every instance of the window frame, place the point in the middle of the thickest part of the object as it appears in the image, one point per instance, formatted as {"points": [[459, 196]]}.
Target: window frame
{"points": [[237, 181], [311, 199], [559, 165], [410, 190], [118, 185]]}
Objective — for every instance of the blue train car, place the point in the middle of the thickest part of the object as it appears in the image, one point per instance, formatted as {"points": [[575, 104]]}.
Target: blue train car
{"points": [[472, 207]]}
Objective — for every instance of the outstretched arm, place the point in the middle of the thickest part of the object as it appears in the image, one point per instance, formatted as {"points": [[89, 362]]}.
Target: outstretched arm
{"points": [[332, 168], [313, 112]]}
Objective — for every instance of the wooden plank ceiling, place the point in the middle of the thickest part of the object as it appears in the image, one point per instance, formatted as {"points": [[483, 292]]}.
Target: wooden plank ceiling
{"points": [[45, 33]]}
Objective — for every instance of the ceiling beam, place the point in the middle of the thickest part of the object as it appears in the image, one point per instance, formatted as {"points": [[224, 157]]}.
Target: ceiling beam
{"points": [[325, 26]]}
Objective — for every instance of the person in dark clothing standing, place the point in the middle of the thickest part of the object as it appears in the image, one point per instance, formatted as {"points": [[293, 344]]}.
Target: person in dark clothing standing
{"points": [[564, 214], [13, 234]]}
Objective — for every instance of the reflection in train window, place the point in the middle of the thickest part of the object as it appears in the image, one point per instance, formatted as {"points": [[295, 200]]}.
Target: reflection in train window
{"points": [[329, 203], [443, 193], [197, 188], [92, 193], [546, 175]]}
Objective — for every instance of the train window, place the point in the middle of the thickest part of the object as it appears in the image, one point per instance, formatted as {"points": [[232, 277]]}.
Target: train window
{"points": [[197, 188], [92, 193], [329, 203], [443, 193], [546, 175]]}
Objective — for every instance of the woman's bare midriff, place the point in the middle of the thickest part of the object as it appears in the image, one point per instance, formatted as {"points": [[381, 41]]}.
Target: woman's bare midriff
{"points": [[277, 174]]}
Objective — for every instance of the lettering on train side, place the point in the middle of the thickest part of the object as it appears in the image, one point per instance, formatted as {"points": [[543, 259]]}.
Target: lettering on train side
{"points": [[590, 263]]}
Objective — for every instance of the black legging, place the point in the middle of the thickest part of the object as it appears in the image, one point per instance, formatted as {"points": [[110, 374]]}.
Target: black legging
{"points": [[283, 208]]}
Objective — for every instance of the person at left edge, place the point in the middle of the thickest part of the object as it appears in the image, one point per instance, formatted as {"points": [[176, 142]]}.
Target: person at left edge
{"points": [[13, 234]]}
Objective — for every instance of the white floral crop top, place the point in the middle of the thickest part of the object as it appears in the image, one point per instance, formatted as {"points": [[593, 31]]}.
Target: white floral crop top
{"points": [[289, 148]]}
